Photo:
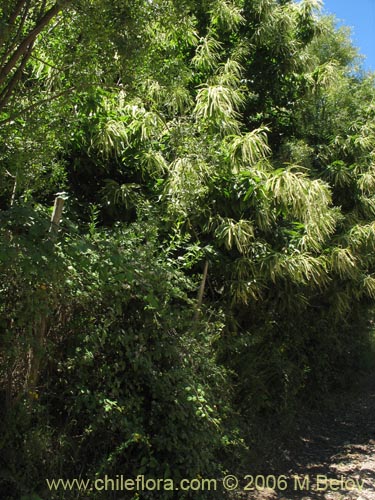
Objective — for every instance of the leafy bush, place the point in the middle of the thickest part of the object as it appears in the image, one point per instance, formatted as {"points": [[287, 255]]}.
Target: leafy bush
{"points": [[128, 382]]}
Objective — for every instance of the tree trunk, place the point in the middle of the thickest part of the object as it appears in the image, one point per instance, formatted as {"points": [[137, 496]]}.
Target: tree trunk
{"points": [[201, 291]]}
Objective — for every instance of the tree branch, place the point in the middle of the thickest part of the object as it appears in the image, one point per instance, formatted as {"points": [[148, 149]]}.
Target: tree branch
{"points": [[11, 20], [23, 46], [7, 92], [11, 44], [48, 64], [51, 98], [201, 292], [16, 11], [36, 105]]}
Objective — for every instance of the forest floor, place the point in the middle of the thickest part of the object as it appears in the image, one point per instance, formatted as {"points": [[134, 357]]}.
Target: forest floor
{"points": [[333, 456]]}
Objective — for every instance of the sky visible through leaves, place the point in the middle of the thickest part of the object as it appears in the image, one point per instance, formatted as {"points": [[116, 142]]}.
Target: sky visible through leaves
{"points": [[360, 16]]}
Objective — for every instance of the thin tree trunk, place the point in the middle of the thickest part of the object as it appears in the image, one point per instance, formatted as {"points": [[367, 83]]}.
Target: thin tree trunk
{"points": [[35, 357], [14, 191], [23, 49], [40, 330], [9, 383], [201, 291], [30, 38]]}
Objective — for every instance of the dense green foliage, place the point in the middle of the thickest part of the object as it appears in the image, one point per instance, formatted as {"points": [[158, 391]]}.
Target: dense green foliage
{"points": [[214, 265]]}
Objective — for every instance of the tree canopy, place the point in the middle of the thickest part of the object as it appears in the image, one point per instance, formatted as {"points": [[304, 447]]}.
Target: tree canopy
{"points": [[214, 264]]}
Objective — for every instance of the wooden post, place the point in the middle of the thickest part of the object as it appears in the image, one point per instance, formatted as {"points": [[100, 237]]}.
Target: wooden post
{"points": [[56, 214]]}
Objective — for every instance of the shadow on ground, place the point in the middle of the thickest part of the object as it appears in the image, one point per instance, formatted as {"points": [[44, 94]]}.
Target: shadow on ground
{"points": [[334, 457]]}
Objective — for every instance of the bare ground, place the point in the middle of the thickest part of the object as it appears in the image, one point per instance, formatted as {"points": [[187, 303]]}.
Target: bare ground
{"points": [[334, 455]]}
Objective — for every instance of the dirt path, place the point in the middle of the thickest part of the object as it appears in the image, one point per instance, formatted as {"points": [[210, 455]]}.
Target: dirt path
{"points": [[335, 456]]}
